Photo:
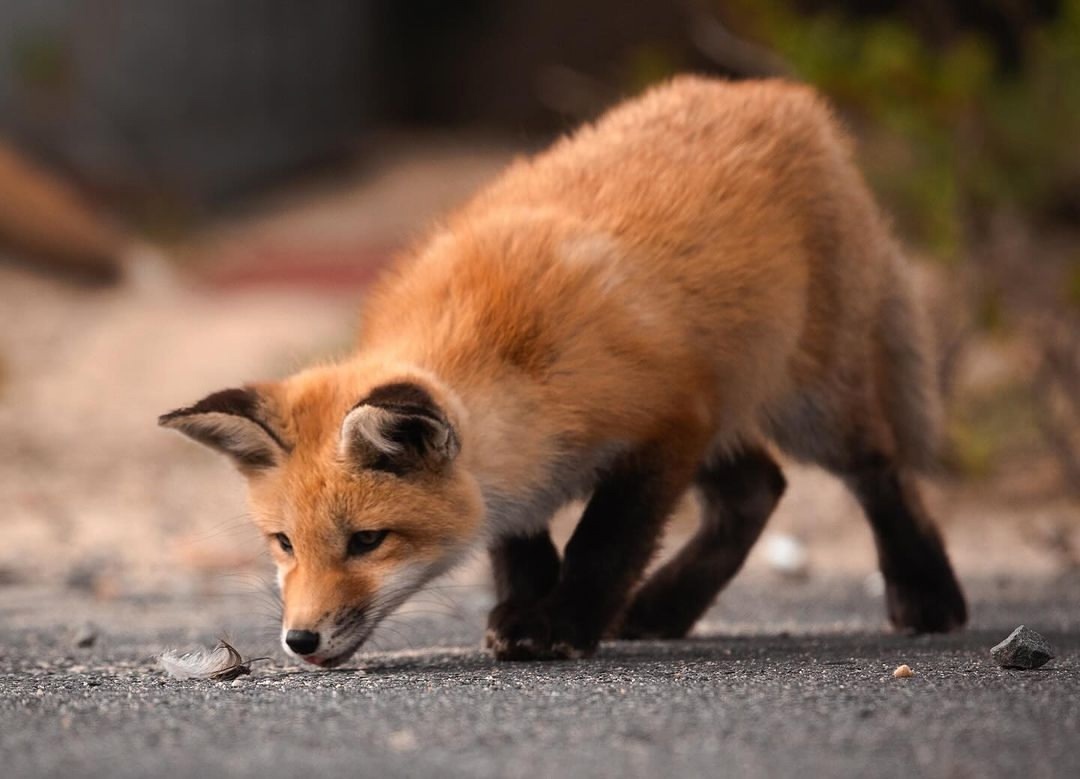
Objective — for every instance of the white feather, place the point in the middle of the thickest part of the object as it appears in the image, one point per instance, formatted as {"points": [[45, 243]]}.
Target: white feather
{"points": [[203, 663]]}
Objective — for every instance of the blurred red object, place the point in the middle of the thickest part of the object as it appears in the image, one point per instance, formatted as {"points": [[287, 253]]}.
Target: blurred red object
{"points": [[325, 269]]}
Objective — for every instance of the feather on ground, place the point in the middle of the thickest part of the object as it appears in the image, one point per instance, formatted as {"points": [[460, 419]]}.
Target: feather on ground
{"points": [[221, 663]]}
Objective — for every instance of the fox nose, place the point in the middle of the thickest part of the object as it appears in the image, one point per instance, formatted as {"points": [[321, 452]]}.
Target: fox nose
{"points": [[303, 642]]}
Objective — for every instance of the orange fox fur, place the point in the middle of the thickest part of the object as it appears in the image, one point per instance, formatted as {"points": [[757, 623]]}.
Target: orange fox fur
{"points": [[700, 270]]}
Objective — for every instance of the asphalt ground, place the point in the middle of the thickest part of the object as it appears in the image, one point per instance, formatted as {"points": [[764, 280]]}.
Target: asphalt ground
{"points": [[781, 679]]}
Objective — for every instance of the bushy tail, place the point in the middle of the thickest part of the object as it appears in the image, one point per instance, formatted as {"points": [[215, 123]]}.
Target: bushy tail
{"points": [[909, 385]]}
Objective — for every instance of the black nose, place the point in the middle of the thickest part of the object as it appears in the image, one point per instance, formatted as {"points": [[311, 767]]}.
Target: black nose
{"points": [[303, 642]]}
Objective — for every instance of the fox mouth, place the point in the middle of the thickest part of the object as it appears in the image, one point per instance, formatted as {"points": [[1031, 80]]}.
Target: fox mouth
{"points": [[333, 661], [360, 623], [338, 658]]}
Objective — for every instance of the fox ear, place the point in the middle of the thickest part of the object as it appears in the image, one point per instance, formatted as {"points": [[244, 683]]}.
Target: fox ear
{"points": [[398, 428], [234, 423]]}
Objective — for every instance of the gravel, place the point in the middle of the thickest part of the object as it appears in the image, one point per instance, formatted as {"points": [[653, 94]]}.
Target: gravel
{"points": [[786, 679]]}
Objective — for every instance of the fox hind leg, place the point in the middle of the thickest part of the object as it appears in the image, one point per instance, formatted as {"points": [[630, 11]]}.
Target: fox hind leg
{"points": [[897, 434], [738, 494], [921, 591], [859, 445]]}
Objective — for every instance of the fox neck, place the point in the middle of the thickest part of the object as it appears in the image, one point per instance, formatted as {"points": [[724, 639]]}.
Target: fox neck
{"points": [[522, 462], [526, 465]]}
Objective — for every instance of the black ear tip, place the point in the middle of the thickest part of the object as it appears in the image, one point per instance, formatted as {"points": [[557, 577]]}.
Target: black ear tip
{"points": [[166, 420]]}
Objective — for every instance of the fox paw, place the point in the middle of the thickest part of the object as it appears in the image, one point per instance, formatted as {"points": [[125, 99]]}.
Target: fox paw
{"points": [[534, 632], [935, 608], [652, 615]]}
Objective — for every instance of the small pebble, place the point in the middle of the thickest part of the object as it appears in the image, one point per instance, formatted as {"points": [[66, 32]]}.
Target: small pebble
{"points": [[1024, 649], [874, 584], [402, 741], [903, 672], [787, 555], [85, 636]]}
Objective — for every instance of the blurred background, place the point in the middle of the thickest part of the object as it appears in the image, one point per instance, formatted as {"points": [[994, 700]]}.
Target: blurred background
{"points": [[197, 194]]}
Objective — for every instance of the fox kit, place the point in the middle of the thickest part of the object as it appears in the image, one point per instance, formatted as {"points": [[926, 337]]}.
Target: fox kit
{"points": [[660, 302]]}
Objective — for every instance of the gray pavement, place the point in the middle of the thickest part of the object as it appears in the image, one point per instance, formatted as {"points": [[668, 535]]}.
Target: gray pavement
{"points": [[786, 679]]}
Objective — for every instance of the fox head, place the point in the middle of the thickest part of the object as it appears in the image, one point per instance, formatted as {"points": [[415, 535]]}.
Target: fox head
{"points": [[358, 490]]}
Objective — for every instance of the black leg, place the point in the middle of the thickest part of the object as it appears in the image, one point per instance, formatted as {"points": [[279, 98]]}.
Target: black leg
{"points": [[609, 550], [921, 591], [737, 495], [525, 572]]}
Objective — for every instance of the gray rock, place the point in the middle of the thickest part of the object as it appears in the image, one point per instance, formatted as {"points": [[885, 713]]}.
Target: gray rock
{"points": [[1024, 648], [85, 635]]}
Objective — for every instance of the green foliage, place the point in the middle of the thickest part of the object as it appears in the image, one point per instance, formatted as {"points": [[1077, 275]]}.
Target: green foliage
{"points": [[647, 64], [990, 425], [1072, 284], [971, 451], [990, 311], [948, 137], [40, 61]]}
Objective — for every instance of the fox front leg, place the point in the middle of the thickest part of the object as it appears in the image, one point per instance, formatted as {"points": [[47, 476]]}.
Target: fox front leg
{"points": [[606, 556], [526, 570]]}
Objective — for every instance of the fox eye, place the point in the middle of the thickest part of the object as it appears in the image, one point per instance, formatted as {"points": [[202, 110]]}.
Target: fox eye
{"points": [[363, 541], [283, 542]]}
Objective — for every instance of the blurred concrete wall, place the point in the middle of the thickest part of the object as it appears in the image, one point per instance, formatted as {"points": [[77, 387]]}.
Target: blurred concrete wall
{"points": [[209, 98], [204, 96]]}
